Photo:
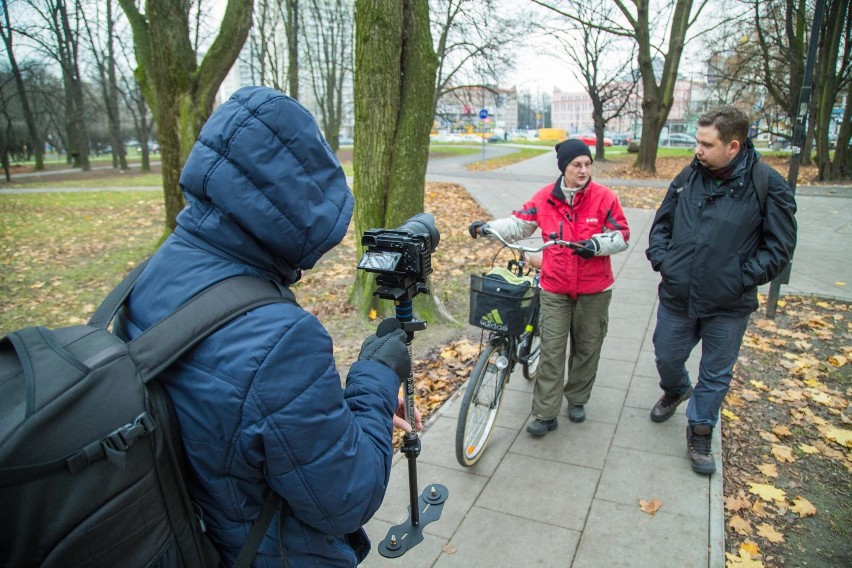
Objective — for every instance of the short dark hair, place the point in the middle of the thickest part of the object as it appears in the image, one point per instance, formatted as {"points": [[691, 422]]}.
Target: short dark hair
{"points": [[731, 122]]}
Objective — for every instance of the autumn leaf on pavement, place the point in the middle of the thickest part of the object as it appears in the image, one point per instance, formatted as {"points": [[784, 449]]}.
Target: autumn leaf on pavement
{"points": [[767, 492], [740, 525], [783, 453], [808, 449], [744, 560], [837, 360], [769, 533], [760, 385], [651, 507], [803, 507], [768, 469]]}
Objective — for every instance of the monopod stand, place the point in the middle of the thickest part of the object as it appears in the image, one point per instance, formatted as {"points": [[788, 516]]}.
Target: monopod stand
{"points": [[428, 506]]}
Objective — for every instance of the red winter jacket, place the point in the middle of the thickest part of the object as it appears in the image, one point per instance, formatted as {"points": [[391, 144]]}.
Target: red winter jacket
{"points": [[596, 210]]}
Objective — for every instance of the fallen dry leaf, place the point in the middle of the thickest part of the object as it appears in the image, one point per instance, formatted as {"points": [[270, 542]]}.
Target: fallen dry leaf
{"points": [[768, 469], [651, 507], [740, 525], [767, 492], [781, 430], [803, 507], [842, 437], [769, 533], [783, 453], [750, 547], [744, 560], [729, 415]]}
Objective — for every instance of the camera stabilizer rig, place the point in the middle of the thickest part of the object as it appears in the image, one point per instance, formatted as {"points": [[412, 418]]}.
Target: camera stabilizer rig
{"points": [[402, 259]]}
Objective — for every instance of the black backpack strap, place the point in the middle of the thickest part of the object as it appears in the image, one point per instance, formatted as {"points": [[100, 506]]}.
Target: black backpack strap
{"points": [[760, 179], [161, 344], [258, 531], [680, 180], [115, 299]]}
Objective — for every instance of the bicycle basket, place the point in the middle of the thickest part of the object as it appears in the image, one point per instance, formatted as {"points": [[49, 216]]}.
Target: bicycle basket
{"points": [[498, 305]]}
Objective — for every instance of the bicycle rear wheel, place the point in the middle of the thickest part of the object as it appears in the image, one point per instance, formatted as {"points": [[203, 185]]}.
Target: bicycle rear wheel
{"points": [[531, 355], [481, 403]]}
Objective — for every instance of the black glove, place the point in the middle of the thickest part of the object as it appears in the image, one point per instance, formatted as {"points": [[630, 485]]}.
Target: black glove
{"points": [[387, 346], [473, 227], [587, 248]]}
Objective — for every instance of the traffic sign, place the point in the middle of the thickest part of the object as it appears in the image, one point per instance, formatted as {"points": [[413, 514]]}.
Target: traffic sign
{"points": [[483, 113]]}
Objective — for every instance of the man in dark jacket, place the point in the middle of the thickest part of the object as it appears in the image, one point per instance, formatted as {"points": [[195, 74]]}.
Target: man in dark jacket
{"points": [[260, 402], [713, 245]]}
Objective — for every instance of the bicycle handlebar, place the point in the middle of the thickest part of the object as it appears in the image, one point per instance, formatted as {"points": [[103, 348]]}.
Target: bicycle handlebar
{"points": [[485, 231]]}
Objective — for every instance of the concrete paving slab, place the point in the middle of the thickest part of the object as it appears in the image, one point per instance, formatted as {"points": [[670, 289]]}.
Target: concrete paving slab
{"points": [[614, 373], [620, 535], [637, 431], [585, 444], [541, 490], [631, 475], [603, 406], [444, 454], [495, 539]]}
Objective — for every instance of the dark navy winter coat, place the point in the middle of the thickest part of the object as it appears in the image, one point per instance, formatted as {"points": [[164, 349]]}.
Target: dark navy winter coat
{"points": [[260, 402], [713, 247]]}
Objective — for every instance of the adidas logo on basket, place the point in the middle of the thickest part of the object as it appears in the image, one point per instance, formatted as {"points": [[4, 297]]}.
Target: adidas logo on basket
{"points": [[492, 320]]}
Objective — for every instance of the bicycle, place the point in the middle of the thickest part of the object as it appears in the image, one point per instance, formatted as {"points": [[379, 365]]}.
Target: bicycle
{"points": [[507, 308]]}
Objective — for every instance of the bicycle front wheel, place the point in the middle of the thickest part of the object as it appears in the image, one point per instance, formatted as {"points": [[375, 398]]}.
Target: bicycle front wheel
{"points": [[531, 355], [481, 403]]}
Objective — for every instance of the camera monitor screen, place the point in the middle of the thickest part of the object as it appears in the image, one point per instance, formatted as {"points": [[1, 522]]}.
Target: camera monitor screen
{"points": [[382, 261]]}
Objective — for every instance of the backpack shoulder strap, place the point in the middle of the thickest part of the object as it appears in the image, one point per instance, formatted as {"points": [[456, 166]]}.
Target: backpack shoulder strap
{"points": [[760, 179], [161, 344], [680, 180], [115, 299]]}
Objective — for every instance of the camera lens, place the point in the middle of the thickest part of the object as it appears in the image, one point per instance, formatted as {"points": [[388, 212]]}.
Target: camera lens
{"points": [[423, 224]]}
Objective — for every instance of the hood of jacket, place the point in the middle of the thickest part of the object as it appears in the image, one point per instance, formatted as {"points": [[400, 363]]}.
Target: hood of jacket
{"points": [[263, 187]]}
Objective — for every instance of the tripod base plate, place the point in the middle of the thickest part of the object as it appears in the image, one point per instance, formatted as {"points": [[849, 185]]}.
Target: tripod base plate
{"points": [[405, 536]]}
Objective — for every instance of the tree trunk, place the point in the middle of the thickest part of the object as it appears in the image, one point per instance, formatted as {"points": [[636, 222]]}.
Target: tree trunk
{"points": [[36, 141], [395, 67], [657, 99], [291, 26], [68, 49], [180, 92]]}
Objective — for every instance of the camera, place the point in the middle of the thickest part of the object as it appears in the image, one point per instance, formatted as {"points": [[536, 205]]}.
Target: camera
{"points": [[401, 258]]}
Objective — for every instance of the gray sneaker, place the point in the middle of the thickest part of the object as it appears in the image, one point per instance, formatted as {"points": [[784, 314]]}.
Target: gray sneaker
{"points": [[576, 413], [666, 406], [539, 427], [698, 445]]}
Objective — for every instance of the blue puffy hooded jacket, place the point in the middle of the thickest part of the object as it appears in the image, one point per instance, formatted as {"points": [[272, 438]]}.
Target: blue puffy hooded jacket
{"points": [[260, 402]]}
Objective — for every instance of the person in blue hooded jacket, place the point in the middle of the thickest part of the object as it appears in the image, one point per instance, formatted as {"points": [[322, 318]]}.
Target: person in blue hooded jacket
{"points": [[260, 402]]}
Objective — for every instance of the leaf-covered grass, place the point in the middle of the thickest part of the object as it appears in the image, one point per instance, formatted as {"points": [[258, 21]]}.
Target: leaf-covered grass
{"points": [[787, 442], [61, 252]]}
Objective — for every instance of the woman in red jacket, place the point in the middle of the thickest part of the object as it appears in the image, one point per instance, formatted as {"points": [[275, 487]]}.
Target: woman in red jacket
{"points": [[576, 282]]}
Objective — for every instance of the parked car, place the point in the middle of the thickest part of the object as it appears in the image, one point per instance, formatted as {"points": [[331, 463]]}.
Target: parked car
{"points": [[589, 139], [678, 140], [620, 138]]}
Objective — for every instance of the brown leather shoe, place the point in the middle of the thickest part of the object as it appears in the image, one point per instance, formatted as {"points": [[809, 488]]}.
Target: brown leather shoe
{"points": [[666, 406], [698, 444]]}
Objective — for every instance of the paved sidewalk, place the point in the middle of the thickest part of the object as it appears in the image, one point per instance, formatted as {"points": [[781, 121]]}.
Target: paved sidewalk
{"points": [[571, 499]]}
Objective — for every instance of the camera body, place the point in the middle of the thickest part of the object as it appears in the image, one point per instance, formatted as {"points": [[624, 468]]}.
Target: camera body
{"points": [[401, 258]]}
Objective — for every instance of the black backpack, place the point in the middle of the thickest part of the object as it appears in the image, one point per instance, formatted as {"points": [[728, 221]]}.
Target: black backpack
{"points": [[92, 468]]}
